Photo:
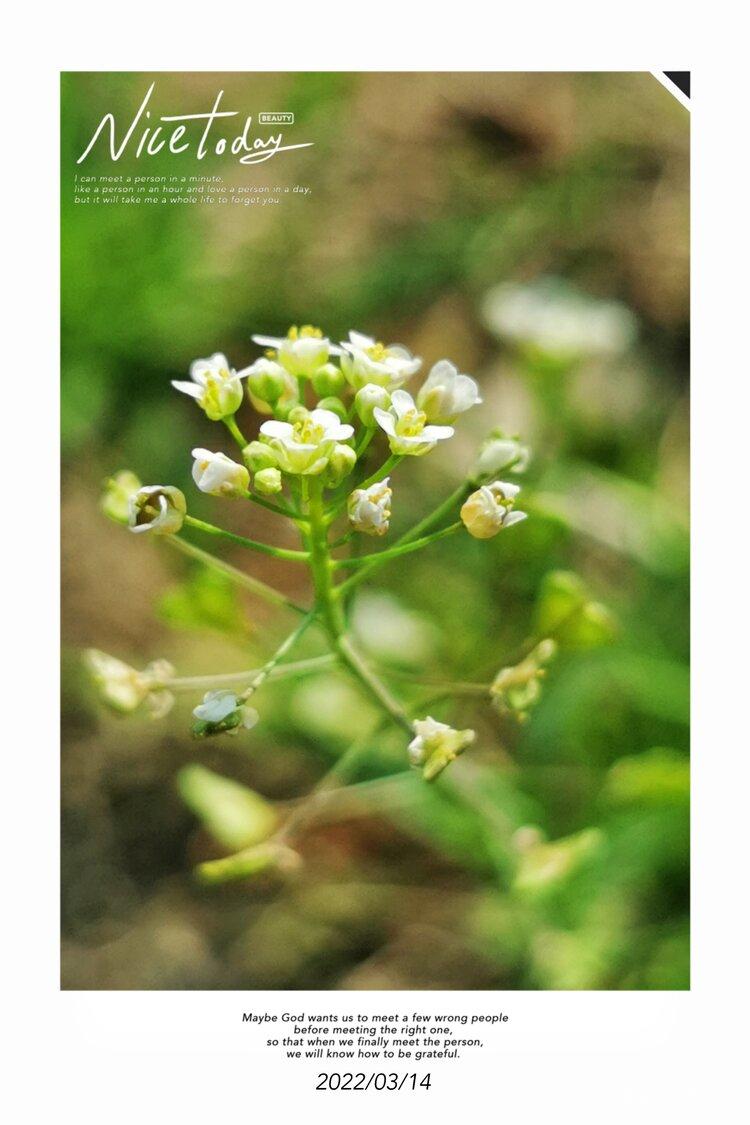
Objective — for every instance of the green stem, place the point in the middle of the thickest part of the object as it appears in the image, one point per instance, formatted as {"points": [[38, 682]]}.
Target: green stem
{"points": [[251, 544], [235, 431], [378, 557], [286, 645], [342, 769], [285, 671], [321, 563], [254, 585], [386, 468], [429, 521], [362, 672], [279, 509]]}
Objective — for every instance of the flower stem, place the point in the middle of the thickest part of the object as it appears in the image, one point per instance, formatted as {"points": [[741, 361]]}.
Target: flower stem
{"points": [[386, 468], [321, 563], [286, 645], [396, 551], [284, 671], [235, 431], [251, 544], [362, 672], [279, 509], [416, 532], [254, 585]]}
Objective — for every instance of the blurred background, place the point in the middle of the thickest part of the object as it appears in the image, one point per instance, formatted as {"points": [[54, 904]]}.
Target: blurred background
{"points": [[534, 229]]}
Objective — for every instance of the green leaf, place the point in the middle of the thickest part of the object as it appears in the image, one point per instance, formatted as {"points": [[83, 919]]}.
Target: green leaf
{"points": [[235, 816], [206, 600]]}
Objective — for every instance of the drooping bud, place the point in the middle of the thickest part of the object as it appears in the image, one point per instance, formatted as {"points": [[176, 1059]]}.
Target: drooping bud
{"points": [[489, 509], [370, 508]]}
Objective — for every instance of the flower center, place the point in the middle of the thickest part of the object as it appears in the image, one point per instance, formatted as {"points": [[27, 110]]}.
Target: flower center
{"points": [[411, 423], [378, 352], [307, 331], [307, 432]]}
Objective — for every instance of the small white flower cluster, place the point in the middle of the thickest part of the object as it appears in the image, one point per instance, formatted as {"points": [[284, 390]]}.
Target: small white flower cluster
{"points": [[310, 440], [301, 442]]}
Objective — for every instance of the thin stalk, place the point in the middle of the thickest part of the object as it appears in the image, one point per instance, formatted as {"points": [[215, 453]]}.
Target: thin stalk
{"points": [[279, 509], [373, 685], [341, 769], [386, 468], [284, 671], [251, 544], [378, 557], [253, 585], [415, 533], [286, 646], [235, 431]]}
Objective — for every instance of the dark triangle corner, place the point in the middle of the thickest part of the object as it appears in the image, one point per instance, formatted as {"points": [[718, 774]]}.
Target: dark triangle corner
{"points": [[680, 79]]}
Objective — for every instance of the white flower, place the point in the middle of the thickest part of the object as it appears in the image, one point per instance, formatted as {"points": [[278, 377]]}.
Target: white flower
{"points": [[268, 384], [304, 446], [303, 351], [446, 393], [226, 708], [490, 508], [499, 453], [406, 426], [218, 475], [436, 745], [364, 360], [555, 318], [370, 508], [216, 387], [125, 689], [157, 507]]}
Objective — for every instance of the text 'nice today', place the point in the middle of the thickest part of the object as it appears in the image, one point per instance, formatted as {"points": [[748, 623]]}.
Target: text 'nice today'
{"points": [[173, 134]]}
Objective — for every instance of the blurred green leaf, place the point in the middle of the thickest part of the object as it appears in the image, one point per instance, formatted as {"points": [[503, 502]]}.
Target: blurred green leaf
{"points": [[235, 816], [656, 777], [206, 600]]}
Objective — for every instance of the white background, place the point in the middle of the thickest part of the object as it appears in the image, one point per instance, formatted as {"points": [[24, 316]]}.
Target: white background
{"points": [[186, 1057]]}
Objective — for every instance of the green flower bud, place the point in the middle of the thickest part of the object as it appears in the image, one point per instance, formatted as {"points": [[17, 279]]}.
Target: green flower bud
{"points": [[334, 404], [258, 456], [328, 381], [266, 383], [297, 413], [367, 399], [267, 481], [340, 464]]}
